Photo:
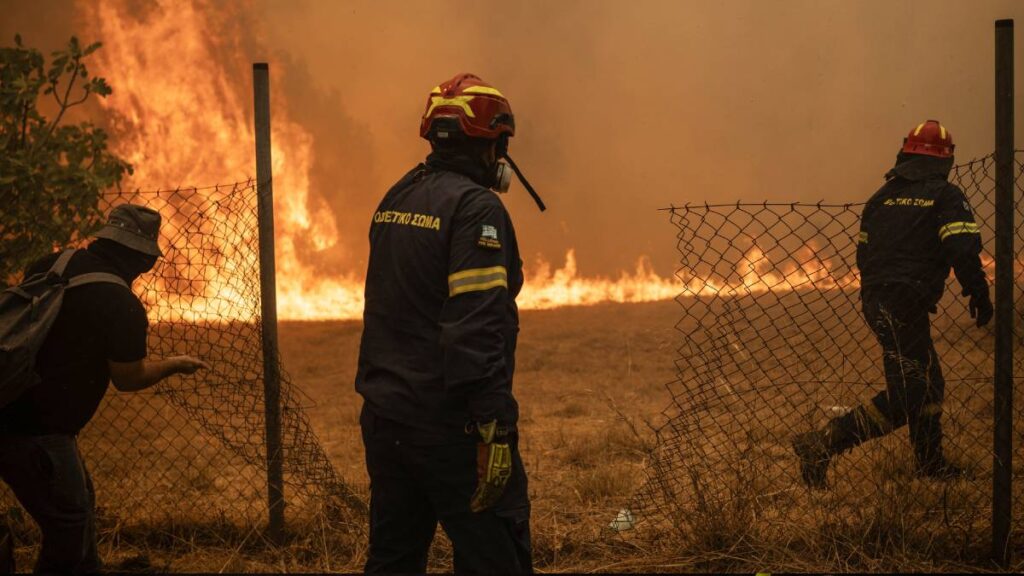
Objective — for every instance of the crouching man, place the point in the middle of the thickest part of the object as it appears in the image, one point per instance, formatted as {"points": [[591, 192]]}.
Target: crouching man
{"points": [[98, 336]]}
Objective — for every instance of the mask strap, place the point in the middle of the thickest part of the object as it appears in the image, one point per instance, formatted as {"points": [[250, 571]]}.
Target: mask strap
{"points": [[536, 198]]}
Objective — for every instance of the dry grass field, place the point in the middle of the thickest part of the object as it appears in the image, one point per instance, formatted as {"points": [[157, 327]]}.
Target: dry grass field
{"points": [[591, 382], [586, 379]]}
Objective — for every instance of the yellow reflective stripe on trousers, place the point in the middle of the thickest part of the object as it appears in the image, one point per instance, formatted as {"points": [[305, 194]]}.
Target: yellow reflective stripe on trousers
{"points": [[863, 237], [476, 279], [957, 228]]}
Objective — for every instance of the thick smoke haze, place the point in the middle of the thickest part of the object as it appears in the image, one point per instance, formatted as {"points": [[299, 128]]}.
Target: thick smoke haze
{"points": [[621, 107]]}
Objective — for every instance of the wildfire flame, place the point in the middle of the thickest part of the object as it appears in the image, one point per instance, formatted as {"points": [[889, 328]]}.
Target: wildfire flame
{"points": [[757, 273], [550, 289], [180, 118]]}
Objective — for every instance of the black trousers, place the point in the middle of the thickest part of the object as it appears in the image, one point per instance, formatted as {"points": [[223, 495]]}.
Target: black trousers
{"points": [[898, 315], [47, 475], [6, 549], [413, 487]]}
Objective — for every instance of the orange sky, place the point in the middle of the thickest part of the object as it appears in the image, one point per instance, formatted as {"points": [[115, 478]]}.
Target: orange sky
{"points": [[621, 107]]}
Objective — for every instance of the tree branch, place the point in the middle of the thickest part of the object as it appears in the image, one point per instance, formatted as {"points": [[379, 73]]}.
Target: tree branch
{"points": [[80, 100], [24, 123], [64, 105]]}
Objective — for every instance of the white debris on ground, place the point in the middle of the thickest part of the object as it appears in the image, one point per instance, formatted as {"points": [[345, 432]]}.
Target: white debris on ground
{"points": [[624, 521]]}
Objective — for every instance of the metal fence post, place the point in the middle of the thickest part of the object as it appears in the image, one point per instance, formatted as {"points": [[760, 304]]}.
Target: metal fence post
{"points": [[1002, 478], [268, 300]]}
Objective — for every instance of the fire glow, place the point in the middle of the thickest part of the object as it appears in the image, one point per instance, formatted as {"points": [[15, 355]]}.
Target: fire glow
{"points": [[755, 273], [176, 131], [186, 124]]}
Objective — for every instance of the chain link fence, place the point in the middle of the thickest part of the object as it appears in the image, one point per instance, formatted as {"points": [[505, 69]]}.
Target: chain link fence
{"points": [[774, 344], [190, 453]]}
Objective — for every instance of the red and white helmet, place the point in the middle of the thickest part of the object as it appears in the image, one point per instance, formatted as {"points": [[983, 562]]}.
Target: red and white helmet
{"points": [[467, 105], [931, 139]]}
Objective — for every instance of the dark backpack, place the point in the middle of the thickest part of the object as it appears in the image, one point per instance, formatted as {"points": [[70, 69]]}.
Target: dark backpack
{"points": [[27, 313]]}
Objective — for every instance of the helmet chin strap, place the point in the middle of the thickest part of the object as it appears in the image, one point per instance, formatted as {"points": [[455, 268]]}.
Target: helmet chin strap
{"points": [[526, 183]]}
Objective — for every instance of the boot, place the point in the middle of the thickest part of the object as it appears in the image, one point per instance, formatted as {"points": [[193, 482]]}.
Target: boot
{"points": [[926, 436], [816, 449], [812, 450], [943, 470], [931, 463]]}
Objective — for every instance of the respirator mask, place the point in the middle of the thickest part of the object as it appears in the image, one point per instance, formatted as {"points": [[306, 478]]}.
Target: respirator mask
{"points": [[503, 170], [502, 177]]}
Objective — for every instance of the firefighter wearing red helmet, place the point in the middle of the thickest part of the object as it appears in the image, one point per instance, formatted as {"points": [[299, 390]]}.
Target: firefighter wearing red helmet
{"points": [[913, 230], [437, 354]]}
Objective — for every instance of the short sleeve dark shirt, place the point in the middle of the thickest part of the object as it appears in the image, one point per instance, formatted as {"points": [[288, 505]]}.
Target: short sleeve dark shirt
{"points": [[97, 322]]}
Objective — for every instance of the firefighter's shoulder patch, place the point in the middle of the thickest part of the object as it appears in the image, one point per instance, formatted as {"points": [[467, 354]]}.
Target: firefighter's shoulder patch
{"points": [[489, 237]]}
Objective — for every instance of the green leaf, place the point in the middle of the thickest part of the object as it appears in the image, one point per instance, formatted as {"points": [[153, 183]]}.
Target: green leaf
{"points": [[100, 86]]}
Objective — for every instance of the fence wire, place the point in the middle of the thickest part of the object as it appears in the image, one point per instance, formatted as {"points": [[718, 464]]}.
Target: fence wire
{"points": [[191, 452], [774, 345]]}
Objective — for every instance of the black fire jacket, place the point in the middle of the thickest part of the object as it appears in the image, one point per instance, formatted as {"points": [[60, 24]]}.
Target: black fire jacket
{"points": [[440, 321], [917, 227]]}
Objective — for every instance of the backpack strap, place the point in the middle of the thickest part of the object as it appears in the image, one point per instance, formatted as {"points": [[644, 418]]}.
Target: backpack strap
{"points": [[62, 262], [58, 270], [95, 277], [61, 265]]}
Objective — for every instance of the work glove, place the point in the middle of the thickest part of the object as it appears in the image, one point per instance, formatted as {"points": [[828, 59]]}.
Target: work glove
{"points": [[980, 306], [493, 465]]}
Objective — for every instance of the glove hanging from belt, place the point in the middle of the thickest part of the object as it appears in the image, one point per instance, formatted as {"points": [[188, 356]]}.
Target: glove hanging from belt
{"points": [[493, 465]]}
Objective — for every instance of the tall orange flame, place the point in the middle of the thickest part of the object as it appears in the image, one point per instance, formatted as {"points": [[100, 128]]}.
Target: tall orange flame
{"points": [[179, 116]]}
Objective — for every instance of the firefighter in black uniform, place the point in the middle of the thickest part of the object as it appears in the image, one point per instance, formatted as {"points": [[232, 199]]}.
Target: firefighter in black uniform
{"points": [[438, 348], [913, 230]]}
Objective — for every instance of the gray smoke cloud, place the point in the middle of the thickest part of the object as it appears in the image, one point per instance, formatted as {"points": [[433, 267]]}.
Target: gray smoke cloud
{"points": [[621, 107]]}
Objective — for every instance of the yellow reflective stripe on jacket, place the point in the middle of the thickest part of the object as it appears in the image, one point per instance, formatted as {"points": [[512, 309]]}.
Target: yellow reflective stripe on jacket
{"points": [[476, 279], [957, 228], [863, 237]]}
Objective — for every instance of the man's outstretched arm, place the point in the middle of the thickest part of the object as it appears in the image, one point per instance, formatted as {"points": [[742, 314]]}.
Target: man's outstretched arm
{"points": [[141, 374]]}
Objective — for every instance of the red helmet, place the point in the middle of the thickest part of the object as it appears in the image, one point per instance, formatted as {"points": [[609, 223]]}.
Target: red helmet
{"points": [[468, 105], [931, 139]]}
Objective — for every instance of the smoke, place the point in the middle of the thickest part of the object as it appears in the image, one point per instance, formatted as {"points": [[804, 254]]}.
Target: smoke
{"points": [[625, 107], [621, 107]]}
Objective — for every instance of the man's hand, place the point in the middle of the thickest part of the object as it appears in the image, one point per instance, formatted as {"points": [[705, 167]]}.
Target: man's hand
{"points": [[188, 364], [493, 466], [141, 374], [980, 307]]}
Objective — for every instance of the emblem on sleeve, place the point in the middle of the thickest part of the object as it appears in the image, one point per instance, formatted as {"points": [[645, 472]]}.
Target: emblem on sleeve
{"points": [[489, 237]]}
